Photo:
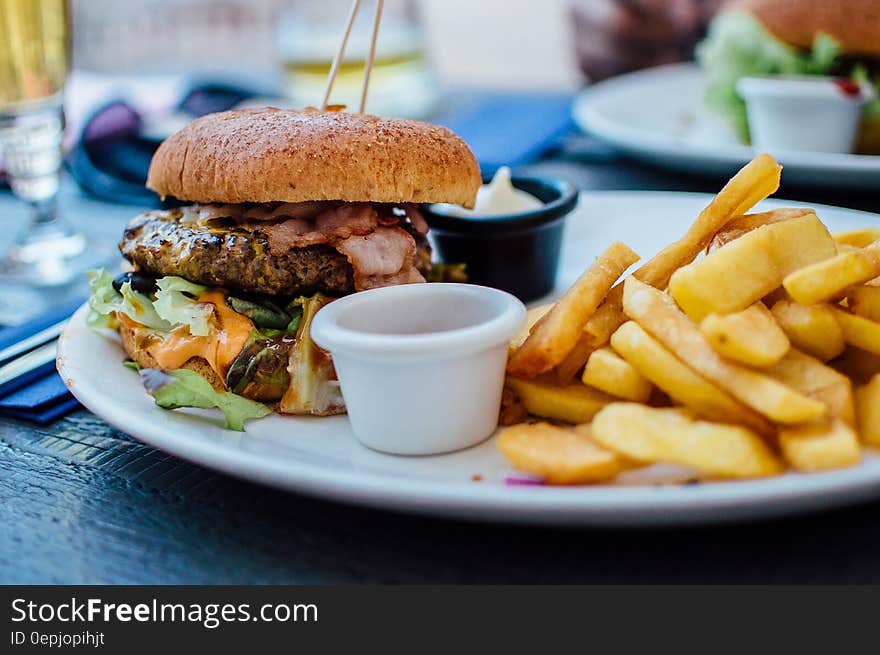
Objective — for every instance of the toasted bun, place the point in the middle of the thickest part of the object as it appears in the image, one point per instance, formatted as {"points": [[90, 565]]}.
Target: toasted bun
{"points": [[133, 336], [267, 155], [855, 24]]}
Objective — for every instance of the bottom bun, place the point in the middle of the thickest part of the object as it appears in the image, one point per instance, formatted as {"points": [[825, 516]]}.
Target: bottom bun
{"points": [[131, 336]]}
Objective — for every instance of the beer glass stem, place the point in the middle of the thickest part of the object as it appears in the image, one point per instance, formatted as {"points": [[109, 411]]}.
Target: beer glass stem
{"points": [[31, 144]]}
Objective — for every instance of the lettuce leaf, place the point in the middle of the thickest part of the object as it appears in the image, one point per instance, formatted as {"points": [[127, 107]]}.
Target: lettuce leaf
{"points": [[738, 46], [174, 304], [104, 301], [185, 388]]}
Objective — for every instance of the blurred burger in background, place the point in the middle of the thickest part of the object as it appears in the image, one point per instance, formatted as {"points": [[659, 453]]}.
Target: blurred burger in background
{"points": [[751, 38]]}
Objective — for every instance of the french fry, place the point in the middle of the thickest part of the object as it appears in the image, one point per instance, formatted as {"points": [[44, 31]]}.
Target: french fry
{"points": [[829, 279], [557, 455], [820, 446], [559, 330], [864, 301], [754, 182], [811, 328], [857, 364], [858, 238], [608, 372], [573, 403], [741, 273], [868, 405], [533, 317], [858, 331], [656, 312], [682, 384], [574, 361], [748, 222], [673, 435], [816, 380], [751, 336]]}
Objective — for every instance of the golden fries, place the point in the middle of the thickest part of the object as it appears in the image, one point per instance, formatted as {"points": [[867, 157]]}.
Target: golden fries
{"points": [[753, 391], [748, 222], [744, 271], [820, 446], [816, 380], [868, 405], [574, 361], [557, 455], [858, 238], [811, 328], [608, 372], [751, 336], [574, 403], [656, 312], [681, 383], [533, 317], [858, 331], [829, 279], [857, 364], [649, 435], [754, 182], [559, 330], [864, 301]]}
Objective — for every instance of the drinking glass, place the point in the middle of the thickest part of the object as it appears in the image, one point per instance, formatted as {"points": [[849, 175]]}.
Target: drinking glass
{"points": [[401, 83], [34, 54]]}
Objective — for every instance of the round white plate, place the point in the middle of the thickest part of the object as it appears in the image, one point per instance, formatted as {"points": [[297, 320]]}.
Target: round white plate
{"points": [[319, 456], [659, 115]]}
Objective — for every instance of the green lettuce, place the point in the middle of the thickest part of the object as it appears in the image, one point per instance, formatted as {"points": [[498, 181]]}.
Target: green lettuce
{"points": [[185, 388], [175, 304], [104, 301], [738, 46]]}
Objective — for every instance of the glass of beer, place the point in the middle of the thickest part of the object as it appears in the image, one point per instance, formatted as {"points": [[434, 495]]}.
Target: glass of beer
{"points": [[34, 54], [401, 83]]}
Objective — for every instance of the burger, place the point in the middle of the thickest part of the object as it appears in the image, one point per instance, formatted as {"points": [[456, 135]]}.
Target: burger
{"points": [[793, 37], [277, 213]]}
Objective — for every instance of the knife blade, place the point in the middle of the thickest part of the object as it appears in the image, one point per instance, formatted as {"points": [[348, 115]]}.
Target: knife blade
{"points": [[28, 362], [31, 342]]}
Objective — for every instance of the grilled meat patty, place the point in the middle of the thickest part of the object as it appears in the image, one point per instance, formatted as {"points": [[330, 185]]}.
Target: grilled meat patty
{"points": [[226, 254]]}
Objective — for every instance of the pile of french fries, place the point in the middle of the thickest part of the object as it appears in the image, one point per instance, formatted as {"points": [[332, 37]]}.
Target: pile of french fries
{"points": [[759, 357]]}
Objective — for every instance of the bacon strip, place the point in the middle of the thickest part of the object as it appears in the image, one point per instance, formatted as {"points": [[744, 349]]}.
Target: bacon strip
{"points": [[382, 258], [380, 252]]}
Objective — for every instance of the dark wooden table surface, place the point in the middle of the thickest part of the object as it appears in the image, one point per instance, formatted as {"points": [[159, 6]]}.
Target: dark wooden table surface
{"points": [[83, 503]]}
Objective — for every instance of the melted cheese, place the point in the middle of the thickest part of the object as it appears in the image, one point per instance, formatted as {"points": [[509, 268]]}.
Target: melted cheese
{"points": [[219, 348]]}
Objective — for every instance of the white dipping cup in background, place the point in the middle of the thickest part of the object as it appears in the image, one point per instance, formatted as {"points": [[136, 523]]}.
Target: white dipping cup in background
{"points": [[421, 366], [808, 113]]}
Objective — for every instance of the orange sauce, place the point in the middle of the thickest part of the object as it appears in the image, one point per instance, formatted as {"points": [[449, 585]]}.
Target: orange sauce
{"points": [[219, 348]]}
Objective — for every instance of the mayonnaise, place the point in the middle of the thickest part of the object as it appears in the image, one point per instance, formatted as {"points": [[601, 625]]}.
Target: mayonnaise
{"points": [[494, 199]]}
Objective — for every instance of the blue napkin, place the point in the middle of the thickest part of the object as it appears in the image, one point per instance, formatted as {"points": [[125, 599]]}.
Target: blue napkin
{"points": [[39, 395], [511, 129]]}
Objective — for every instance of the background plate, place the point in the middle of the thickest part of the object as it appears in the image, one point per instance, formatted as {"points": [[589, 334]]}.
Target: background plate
{"points": [[659, 115], [319, 456]]}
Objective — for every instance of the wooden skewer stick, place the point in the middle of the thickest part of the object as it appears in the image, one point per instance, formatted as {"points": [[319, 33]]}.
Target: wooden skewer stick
{"points": [[340, 52], [369, 65]]}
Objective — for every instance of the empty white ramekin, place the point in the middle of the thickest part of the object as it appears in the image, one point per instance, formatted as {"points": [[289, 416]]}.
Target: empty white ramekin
{"points": [[810, 113], [421, 366]]}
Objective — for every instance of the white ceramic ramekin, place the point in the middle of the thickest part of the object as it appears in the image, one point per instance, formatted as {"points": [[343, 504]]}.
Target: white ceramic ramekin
{"points": [[819, 114], [421, 366]]}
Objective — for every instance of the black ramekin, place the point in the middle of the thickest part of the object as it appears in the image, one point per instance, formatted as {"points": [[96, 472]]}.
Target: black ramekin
{"points": [[518, 253]]}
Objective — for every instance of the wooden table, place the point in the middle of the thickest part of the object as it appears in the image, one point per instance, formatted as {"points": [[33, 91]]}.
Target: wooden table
{"points": [[83, 503]]}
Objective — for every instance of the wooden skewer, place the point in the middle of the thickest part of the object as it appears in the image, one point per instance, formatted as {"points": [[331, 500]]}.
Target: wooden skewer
{"points": [[340, 52], [369, 65]]}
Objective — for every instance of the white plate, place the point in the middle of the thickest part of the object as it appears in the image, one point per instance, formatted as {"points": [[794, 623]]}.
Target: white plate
{"points": [[319, 456], [659, 115]]}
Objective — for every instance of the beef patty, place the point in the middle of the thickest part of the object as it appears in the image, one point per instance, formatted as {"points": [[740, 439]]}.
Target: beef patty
{"points": [[223, 253]]}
